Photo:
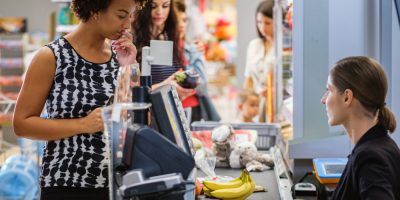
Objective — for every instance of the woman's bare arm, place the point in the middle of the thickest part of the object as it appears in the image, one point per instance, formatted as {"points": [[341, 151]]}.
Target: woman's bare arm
{"points": [[35, 89]]}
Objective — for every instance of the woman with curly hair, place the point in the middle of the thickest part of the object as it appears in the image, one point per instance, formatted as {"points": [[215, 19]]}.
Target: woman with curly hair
{"points": [[73, 77]]}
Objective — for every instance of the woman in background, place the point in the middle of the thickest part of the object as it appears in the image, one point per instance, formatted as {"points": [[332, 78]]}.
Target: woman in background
{"points": [[199, 105], [260, 56], [355, 98], [157, 21], [73, 77]]}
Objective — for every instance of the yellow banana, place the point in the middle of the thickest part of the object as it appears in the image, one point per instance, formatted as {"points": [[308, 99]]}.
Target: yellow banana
{"points": [[253, 185], [240, 177], [212, 185], [238, 192], [207, 191]]}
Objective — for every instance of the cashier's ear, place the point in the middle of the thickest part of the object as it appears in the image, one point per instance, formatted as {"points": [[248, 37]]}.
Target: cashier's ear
{"points": [[348, 97]]}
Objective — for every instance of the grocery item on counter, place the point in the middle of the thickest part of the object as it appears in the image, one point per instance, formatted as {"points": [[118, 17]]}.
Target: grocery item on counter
{"points": [[187, 79], [205, 160], [239, 135], [234, 148], [245, 155], [222, 144], [239, 188]]}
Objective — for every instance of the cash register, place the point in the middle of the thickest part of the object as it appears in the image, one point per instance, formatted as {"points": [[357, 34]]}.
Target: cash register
{"points": [[150, 159]]}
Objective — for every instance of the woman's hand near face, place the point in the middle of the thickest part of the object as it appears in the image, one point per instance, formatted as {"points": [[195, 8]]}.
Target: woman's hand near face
{"points": [[126, 51]]}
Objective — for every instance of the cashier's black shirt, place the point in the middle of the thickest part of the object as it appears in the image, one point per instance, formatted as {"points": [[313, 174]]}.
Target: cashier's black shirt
{"points": [[373, 169]]}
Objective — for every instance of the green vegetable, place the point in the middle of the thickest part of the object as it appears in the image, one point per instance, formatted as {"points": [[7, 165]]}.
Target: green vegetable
{"points": [[180, 76]]}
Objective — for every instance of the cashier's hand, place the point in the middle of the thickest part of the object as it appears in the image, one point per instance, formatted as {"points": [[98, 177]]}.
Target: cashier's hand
{"points": [[126, 51], [93, 122], [182, 92]]}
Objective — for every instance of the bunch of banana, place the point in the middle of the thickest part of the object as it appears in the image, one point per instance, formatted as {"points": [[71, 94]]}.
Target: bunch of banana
{"points": [[237, 189]]}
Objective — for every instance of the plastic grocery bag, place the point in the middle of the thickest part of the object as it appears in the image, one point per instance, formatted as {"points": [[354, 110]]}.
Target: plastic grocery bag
{"points": [[205, 161]]}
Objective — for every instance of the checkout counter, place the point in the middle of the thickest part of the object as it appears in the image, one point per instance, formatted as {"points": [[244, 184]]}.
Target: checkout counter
{"points": [[146, 162]]}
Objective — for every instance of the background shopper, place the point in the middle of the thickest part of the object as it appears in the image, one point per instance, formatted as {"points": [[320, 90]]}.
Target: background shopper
{"points": [[157, 21], [260, 57]]}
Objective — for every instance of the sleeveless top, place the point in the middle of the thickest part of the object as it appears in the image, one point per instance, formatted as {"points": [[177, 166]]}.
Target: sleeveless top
{"points": [[79, 86]]}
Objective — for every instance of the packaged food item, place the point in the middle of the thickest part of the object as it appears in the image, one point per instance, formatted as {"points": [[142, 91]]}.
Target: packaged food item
{"points": [[188, 79]]}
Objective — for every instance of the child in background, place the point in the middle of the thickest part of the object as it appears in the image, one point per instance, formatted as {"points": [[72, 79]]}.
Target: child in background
{"points": [[248, 104]]}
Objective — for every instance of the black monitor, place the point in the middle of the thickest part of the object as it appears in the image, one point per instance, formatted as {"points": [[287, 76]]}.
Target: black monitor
{"points": [[154, 154], [169, 117], [167, 146]]}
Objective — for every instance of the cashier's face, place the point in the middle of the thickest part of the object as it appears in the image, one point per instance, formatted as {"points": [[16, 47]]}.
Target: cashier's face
{"points": [[334, 102]]}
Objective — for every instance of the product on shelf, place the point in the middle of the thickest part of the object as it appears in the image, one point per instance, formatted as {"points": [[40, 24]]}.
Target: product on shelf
{"points": [[64, 15], [12, 44], [11, 69], [67, 21], [11, 63], [5, 119], [10, 81]]}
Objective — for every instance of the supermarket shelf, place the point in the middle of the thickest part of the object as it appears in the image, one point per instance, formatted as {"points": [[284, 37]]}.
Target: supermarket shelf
{"points": [[6, 119], [10, 44], [11, 63], [8, 96], [11, 69], [10, 80], [65, 28]]}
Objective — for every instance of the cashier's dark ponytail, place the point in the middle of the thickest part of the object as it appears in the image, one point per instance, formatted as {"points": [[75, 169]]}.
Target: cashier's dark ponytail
{"points": [[367, 80]]}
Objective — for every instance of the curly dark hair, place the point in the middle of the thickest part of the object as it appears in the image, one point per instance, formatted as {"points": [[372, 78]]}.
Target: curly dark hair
{"points": [[84, 9], [141, 31]]}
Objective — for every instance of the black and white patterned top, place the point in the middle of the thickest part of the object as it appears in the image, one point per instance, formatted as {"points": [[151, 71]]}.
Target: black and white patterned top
{"points": [[79, 86]]}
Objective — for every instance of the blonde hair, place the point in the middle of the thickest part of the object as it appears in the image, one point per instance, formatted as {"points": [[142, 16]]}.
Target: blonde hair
{"points": [[245, 94]]}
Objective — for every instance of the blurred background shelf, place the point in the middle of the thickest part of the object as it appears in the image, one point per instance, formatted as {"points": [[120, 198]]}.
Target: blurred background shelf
{"points": [[61, 1], [65, 28]]}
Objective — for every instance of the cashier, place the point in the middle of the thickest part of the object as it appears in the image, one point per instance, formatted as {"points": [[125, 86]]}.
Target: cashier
{"points": [[355, 98]]}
